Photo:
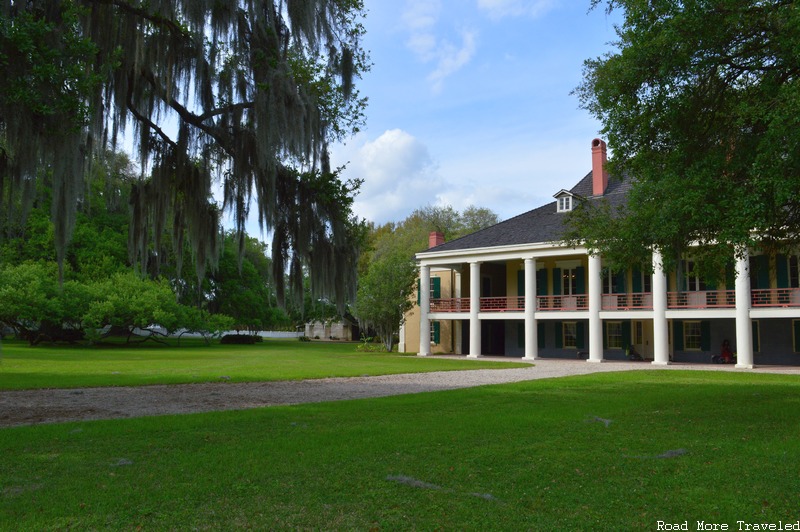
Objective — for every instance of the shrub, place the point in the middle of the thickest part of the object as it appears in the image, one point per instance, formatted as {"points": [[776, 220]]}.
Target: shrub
{"points": [[240, 339]]}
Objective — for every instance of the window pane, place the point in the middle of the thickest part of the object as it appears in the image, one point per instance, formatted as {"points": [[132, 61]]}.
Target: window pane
{"points": [[569, 282], [691, 335], [614, 334], [647, 283], [570, 335]]}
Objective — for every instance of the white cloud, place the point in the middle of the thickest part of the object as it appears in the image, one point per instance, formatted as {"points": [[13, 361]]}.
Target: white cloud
{"points": [[504, 8], [452, 58], [398, 172], [421, 19]]}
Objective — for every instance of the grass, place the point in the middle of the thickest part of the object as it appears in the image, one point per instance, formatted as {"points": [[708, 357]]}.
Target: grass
{"points": [[612, 451], [24, 367]]}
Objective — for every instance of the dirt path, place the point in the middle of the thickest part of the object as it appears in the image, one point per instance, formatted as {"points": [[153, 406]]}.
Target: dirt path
{"points": [[30, 407]]}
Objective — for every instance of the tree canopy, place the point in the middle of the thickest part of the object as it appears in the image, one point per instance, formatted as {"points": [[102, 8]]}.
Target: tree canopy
{"points": [[699, 103], [388, 273], [240, 95], [410, 236]]}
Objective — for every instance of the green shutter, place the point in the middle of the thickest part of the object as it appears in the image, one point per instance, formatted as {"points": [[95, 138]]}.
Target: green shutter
{"points": [[541, 282], [730, 276], [619, 283], [556, 281], [580, 273], [436, 289], [605, 336], [626, 334], [437, 332], [705, 335], [521, 283], [637, 281], [782, 270], [580, 337], [677, 335], [756, 337], [521, 335], [559, 335], [762, 271], [540, 334], [796, 326]]}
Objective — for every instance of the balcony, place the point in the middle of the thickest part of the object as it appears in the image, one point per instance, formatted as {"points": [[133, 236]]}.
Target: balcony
{"points": [[637, 301], [455, 304], [713, 299], [502, 304], [575, 302], [701, 300], [511, 303], [777, 298]]}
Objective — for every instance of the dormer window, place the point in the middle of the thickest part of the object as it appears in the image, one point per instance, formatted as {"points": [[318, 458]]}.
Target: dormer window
{"points": [[565, 200]]}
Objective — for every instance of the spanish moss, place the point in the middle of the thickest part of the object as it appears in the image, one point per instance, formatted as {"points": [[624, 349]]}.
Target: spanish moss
{"points": [[234, 97]]}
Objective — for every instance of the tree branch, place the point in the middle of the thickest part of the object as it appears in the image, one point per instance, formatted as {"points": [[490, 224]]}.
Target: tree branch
{"points": [[142, 118]]}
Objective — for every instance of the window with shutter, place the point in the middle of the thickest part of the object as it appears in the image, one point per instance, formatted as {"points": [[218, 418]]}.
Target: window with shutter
{"points": [[540, 334]]}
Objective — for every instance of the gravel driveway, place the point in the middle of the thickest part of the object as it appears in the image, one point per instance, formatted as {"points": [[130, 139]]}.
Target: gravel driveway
{"points": [[29, 407]]}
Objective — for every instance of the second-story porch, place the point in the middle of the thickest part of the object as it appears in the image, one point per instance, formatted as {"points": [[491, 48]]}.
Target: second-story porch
{"points": [[695, 300]]}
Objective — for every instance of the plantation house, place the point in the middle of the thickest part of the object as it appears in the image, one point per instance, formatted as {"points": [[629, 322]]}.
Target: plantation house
{"points": [[515, 289]]}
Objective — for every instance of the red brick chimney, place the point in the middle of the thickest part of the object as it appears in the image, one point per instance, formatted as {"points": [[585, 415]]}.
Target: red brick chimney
{"points": [[599, 174], [435, 238]]}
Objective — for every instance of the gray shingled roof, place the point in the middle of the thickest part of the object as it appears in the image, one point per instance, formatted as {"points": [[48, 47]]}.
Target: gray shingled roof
{"points": [[543, 224]]}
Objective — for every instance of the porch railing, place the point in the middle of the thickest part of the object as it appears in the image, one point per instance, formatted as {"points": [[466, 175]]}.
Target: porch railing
{"points": [[760, 298], [778, 297], [637, 301], [502, 304], [576, 302], [511, 303], [701, 300], [456, 304]]}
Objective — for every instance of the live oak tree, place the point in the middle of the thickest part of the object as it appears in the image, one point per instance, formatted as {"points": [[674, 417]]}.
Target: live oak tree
{"points": [[699, 103], [242, 96]]}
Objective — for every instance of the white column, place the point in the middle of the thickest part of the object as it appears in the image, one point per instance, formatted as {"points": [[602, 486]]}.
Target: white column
{"points": [[744, 330], [457, 348], [531, 342], [401, 339], [595, 304], [660, 325], [424, 309], [474, 309]]}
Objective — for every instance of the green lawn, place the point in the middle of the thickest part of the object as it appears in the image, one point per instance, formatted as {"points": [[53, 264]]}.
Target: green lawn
{"points": [[613, 451], [22, 366]]}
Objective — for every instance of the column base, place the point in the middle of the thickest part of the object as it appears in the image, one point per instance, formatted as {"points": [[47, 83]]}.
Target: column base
{"points": [[745, 366], [660, 363], [530, 359], [423, 354], [596, 360], [473, 356]]}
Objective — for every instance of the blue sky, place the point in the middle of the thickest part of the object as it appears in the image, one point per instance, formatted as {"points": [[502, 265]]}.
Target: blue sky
{"points": [[469, 104]]}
